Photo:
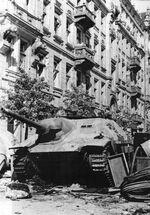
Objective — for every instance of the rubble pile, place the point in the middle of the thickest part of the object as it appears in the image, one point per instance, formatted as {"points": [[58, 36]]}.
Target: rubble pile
{"points": [[16, 190]]}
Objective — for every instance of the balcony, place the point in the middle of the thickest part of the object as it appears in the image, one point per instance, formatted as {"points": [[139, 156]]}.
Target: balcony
{"points": [[84, 57], [84, 17], [135, 92], [41, 51], [39, 48], [5, 47], [10, 34], [38, 66], [135, 64]]}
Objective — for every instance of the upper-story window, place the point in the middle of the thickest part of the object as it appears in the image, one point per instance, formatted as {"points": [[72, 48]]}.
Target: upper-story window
{"points": [[57, 17], [68, 75], [68, 25], [102, 92], [56, 71], [57, 24], [87, 41], [23, 47], [79, 36], [96, 89], [103, 22], [95, 43]]}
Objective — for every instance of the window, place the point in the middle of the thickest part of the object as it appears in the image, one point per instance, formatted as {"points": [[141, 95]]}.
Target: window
{"points": [[68, 68], [56, 71], [10, 125], [68, 23], [95, 42], [57, 24], [96, 89], [102, 92], [103, 22], [79, 78], [23, 47], [87, 80], [87, 41], [79, 36]]}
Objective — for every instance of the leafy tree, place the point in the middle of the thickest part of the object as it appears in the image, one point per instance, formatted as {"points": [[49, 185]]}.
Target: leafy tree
{"points": [[29, 99], [78, 103]]}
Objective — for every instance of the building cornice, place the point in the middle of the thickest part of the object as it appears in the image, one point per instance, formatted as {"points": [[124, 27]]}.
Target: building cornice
{"points": [[100, 74], [100, 4], [126, 33], [138, 20], [24, 25], [58, 49], [25, 11]]}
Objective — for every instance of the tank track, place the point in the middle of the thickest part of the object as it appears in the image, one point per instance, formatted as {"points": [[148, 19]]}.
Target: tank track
{"points": [[99, 164], [19, 168], [23, 167]]}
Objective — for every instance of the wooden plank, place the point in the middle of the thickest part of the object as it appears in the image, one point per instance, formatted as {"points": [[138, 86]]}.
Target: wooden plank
{"points": [[142, 162], [119, 168]]}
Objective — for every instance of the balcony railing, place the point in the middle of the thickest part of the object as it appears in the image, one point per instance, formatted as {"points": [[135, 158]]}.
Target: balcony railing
{"points": [[84, 56], [84, 17], [135, 64]]}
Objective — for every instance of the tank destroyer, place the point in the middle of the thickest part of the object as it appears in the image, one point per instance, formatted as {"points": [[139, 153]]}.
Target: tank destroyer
{"points": [[65, 151]]}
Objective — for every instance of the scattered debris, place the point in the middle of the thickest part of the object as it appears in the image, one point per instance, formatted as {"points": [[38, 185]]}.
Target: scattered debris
{"points": [[76, 188], [16, 190]]}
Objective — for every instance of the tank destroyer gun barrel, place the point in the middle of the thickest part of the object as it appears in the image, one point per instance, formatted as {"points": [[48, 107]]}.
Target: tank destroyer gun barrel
{"points": [[23, 119], [46, 129]]}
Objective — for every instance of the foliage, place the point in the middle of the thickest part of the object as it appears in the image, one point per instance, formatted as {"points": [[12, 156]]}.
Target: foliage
{"points": [[78, 103], [29, 99]]}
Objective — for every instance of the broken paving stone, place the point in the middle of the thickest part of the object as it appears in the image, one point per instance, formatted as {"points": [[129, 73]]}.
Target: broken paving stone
{"points": [[76, 188], [140, 211], [16, 190]]}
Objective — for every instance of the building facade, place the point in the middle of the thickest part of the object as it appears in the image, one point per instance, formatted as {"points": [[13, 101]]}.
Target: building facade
{"points": [[100, 44]]}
